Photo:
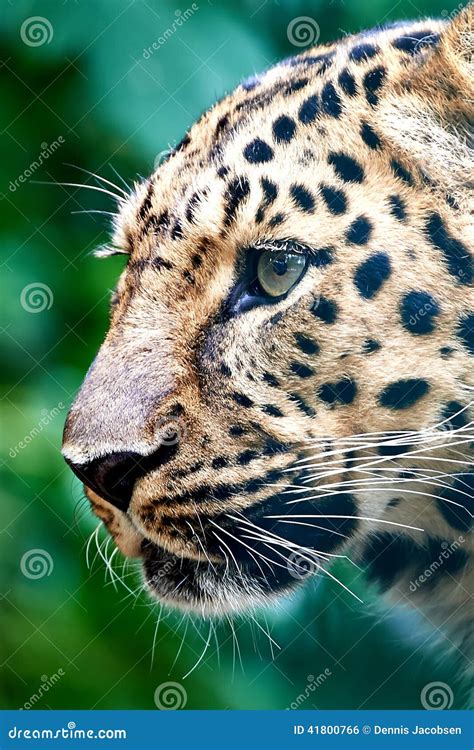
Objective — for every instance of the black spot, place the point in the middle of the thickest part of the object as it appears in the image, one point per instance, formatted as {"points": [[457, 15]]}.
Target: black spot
{"points": [[302, 370], [341, 392], [346, 167], [370, 345], [272, 411], [236, 430], [296, 85], [191, 207], [219, 463], [275, 319], [176, 410], [273, 447], [258, 152], [347, 83], [321, 256], [189, 277], [260, 215], [457, 256], [246, 456], [359, 231], [393, 448], [363, 52], [221, 125], [371, 274], [270, 379], [324, 309], [302, 197], [369, 136], [196, 260], [446, 351], [225, 370], [177, 231], [223, 171], [465, 331], [162, 222], [306, 344], [403, 393], [242, 400], [397, 207], [454, 416], [270, 191], [401, 172], [183, 143], [415, 42], [330, 101], [386, 556], [160, 263], [284, 129], [276, 220], [418, 311], [237, 191], [394, 502], [309, 110], [456, 503], [146, 206], [335, 199], [302, 405], [373, 81]]}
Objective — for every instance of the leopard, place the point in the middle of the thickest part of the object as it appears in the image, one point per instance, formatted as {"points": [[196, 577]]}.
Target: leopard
{"points": [[287, 377]]}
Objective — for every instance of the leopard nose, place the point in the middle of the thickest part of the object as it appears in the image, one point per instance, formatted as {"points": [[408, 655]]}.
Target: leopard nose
{"points": [[113, 476]]}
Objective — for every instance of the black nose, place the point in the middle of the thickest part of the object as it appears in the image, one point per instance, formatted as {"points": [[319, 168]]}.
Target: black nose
{"points": [[113, 476]]}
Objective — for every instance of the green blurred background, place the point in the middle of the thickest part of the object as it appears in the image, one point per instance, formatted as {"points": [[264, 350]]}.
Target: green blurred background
{"points": [[86, 92]]}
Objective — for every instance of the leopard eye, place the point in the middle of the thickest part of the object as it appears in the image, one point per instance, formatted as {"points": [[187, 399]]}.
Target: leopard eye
{"points": [[278, 272]]}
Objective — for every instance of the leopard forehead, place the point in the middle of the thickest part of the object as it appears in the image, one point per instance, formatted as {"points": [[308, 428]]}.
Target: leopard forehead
{"points": [[283, 146]]}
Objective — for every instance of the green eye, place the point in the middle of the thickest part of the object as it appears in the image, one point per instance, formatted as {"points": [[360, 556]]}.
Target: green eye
{"points": [[278, 272]]}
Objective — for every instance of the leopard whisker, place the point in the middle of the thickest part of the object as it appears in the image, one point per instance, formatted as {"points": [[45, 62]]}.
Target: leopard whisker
{"points": [[98, 177], [201, 657], [98, 189], [356, 518], [386, 489]]}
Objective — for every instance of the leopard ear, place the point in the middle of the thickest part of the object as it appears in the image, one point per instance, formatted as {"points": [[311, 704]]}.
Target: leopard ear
{"points": [[429, 115]]}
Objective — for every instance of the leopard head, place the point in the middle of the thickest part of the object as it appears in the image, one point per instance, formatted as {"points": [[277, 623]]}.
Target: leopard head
{"points": [[299, 279]]}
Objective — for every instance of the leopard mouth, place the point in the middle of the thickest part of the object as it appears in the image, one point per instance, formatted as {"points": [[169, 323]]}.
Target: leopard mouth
{"points": [[239, 559], [211, 587], [249, 558]]}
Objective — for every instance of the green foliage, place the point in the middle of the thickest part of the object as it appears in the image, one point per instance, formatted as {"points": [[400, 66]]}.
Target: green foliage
{"points": [[94, 89]]}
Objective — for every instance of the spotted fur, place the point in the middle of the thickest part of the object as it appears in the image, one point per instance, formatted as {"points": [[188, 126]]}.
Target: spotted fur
{"points": [[338, 419]]}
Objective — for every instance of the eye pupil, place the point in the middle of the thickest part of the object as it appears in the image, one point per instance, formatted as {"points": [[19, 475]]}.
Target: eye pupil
{"points": [[280, 266]]}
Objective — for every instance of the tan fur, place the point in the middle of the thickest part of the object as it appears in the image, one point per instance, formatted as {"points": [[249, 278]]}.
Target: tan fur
{"points": [[166, 344]]}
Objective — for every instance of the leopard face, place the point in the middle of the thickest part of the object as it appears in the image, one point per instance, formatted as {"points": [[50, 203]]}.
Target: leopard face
{"points": [[297, 306]]}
